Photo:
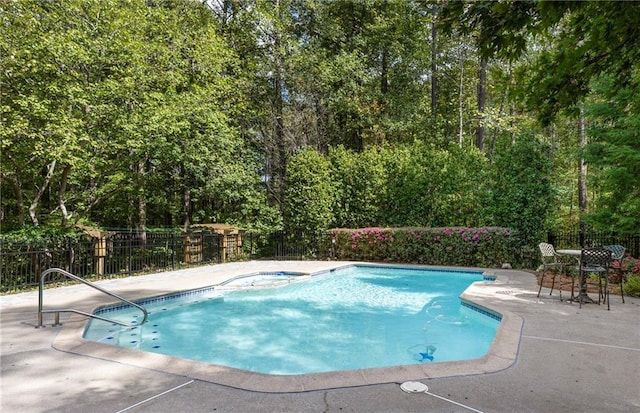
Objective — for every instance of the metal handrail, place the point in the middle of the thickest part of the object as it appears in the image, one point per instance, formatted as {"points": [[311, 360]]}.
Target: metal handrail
{"points": [[71, 310]]}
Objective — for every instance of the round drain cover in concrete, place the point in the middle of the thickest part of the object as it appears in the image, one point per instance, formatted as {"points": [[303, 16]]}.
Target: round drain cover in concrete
{"points": [[414, 387]]}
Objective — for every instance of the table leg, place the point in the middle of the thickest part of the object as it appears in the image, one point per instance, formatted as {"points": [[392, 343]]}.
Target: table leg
{"points": [[582, 296]]}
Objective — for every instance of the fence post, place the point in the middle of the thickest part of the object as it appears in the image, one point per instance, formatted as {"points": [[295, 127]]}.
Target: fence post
{"points": [[173, 251], [100, 252], [130, 240], [70, 255], [274, 238], [551, 239], [223, 242], [201, 250], [186, 242], [582, 234], [279, 238]]}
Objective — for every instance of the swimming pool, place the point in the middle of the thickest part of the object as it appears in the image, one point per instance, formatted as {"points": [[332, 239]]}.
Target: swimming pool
{"points": [[352, 318]]}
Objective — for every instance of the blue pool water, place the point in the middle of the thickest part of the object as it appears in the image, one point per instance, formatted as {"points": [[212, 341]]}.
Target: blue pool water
{"points": [[352, 318]]}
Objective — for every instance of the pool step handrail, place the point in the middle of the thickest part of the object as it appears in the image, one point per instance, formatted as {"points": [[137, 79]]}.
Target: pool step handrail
{"points": [[57, 311]]}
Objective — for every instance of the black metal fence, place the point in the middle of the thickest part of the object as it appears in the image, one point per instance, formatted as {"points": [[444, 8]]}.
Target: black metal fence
{"points": [[290, 245], [117, 255], [124, 253], [573, 239]]}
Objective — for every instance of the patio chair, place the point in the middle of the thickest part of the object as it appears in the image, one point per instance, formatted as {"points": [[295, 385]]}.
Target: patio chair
{"points": [[617, 254], [550, 260], [595, 260]]}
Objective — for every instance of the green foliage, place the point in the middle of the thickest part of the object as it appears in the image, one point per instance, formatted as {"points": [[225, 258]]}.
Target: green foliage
{"points": [[591, 39], [129, 105], [36, 235], [632, 286], [310, 192], [362, 65], [360, 180], [522, 190], [481, 247], [408, 185], [64, 87], [571, 50], [630, 268], [502, 27], [614, 150], [428, 186], [165, 113]]}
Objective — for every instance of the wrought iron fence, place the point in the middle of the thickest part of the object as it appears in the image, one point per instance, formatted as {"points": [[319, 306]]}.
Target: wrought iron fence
{"points": [[123, 253], [573, 239], [115, 255], [289, 245]]}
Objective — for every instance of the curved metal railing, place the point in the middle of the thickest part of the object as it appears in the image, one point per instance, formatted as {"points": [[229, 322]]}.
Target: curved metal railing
{"points": [[57, 311]]}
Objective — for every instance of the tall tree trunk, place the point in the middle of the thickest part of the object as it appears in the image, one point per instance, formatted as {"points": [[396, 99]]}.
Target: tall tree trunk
{"points": [[461, 99], [61, 192], [36, 200], [582, 176], [482, 98], [496, 130], [384, 89], [384, 72], [280, 167], [281, 163], [434, 65], [142, 203], [512, 109], [186, 201]]}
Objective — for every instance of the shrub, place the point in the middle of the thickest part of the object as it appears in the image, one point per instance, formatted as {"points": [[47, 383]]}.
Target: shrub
{"points": [[310, 192], [631, 270], [632, 285], [522, 192], [481, 247]]}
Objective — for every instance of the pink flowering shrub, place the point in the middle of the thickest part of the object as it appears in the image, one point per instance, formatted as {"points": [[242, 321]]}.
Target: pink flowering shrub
{"points": [[370, 243], [629, 265], [482, 247], [631, 271]]}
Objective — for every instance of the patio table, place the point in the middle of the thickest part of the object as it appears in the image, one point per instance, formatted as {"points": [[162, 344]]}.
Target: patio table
{"points": [[582, 281]]}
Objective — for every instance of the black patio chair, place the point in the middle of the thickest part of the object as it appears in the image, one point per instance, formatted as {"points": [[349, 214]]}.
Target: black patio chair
{"points": [[617, 254], [595, 260]]}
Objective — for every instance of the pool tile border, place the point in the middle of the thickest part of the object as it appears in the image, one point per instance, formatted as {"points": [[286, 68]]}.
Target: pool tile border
{"points": [[153, 300], [482, 310]]}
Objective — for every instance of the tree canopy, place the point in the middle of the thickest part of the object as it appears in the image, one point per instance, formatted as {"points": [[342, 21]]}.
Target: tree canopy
{"points": [[309, 114]]}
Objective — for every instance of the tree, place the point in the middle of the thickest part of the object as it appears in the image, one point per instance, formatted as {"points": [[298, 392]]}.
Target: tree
{"points": [[360, 179], [310, 192], [124, 101], [595, 43], [65, 79], [590, 39], [614, 152], [584, 42], [522, 193], [369, 64], [432, 186]]}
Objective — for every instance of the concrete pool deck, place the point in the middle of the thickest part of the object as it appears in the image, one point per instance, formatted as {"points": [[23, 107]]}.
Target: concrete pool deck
{"points": [[563, 359]]}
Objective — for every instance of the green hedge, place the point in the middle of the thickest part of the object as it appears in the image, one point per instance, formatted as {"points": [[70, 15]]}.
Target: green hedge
{"points": [[476, 247]]}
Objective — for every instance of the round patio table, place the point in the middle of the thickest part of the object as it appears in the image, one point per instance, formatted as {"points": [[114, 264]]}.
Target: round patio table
{"points": [[582, 281]]}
